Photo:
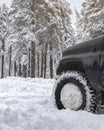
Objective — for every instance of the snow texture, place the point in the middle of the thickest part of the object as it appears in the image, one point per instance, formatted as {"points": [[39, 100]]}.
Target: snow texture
{"points": [[26, 104]]}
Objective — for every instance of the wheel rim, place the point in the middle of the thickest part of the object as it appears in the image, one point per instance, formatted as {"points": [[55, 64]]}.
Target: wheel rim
{"points": [[71, 96]]}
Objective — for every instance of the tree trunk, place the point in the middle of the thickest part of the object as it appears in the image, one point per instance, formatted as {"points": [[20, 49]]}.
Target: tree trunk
{"points": [[45, 61], [2, 58], [15, 68], [38, 63], [51, 62], [19, 70], [42, 57], [24, 71], [10, 52], [29, 64], [32, 60], [2, 66]]}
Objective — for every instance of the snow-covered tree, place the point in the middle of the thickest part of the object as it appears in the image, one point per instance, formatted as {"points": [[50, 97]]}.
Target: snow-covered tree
{"points": [[3, 36], [3, 25], [92, 18], [45, 22], [20, 29], [78, 30]]}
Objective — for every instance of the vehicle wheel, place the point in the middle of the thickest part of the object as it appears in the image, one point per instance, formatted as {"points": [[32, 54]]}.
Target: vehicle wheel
{"points": [[73, 91]]}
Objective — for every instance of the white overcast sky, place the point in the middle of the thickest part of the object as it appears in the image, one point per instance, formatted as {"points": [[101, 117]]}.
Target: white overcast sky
{"points": [[74, 4]]}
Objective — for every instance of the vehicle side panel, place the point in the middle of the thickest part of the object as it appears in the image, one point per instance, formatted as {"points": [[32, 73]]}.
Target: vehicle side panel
{"points": [[90, 57], [102, 62], [90, 66]]}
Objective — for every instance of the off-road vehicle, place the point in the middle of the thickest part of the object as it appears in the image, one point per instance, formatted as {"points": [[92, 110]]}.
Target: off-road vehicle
{"points": [[80, 76]]}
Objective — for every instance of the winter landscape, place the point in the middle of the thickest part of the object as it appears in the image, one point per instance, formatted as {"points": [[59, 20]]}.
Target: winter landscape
{"points": [[33, 34], [27, 104]]}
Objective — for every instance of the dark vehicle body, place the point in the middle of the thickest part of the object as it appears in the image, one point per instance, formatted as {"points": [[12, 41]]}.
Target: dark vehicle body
{"points": [[87, 57]]}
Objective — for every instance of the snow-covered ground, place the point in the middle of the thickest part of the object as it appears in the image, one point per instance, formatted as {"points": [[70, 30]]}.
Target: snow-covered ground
{"points": [[26, 104]]}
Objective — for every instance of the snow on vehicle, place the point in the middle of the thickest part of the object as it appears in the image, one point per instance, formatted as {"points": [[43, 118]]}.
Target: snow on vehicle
{"points": [[81, 76]]}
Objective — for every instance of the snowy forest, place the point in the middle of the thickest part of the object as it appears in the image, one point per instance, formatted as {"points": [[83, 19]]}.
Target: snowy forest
{"points": [[33, 34]]}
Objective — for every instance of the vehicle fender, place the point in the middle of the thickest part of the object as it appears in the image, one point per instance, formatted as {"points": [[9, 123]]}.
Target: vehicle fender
{"points": [[70, 65]]}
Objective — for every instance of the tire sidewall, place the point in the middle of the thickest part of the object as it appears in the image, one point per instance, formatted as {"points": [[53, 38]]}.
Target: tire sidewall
{"points": [[59, 87]]}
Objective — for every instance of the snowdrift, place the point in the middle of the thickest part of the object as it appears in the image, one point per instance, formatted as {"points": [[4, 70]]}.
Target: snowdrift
{"points": [[26, 104]]}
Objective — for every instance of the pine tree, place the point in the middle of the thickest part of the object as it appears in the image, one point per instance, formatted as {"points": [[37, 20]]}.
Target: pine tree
{"points": [[21, 33], [92, 21], [3, 35], [3, 24], [78, 30], [42, 22], [53, 27]]}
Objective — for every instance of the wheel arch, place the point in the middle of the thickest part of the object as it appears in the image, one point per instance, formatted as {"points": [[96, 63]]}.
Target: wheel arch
{"points": [[70, 66]]}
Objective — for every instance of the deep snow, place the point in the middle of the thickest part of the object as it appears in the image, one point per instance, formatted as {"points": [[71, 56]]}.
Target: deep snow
{"points": [[26, 104]]}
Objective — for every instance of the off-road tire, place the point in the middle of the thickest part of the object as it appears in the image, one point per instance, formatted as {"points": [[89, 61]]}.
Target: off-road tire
{"points": [[88, 93]]}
